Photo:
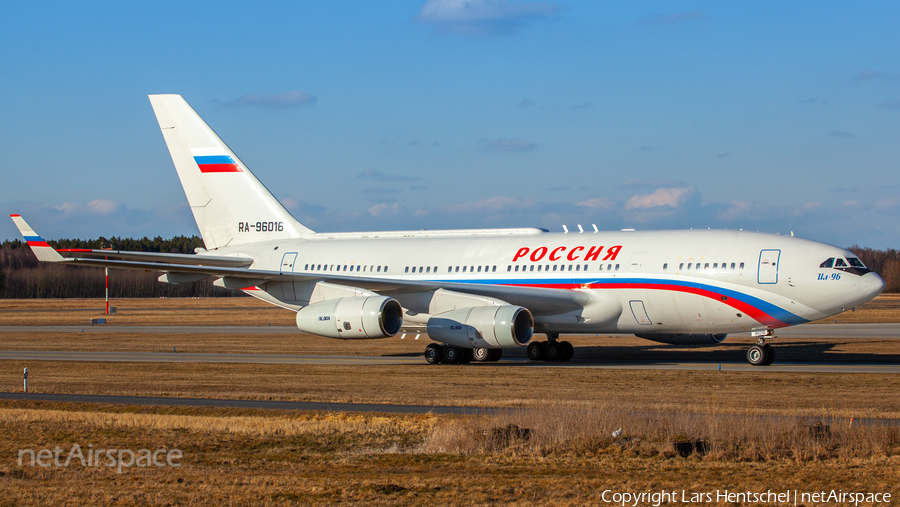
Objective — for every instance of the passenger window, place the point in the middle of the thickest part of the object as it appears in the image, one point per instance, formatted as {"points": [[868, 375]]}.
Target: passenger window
{"points": [[578, 267], [617, 267], [601, 267], [379, 269], [457, 269], [716, 266], [449, 269], [706, 266], [732, 265], [665, 266], [508, 268], [539, 267], [742, 265], [385, 269], [689, 265], [839, 263], [479, 269], [494, 269], [532, 268], [435, 269], [681, 266], [428, 269], [570, 267]]}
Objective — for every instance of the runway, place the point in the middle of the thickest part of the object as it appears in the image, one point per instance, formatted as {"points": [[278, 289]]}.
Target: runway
{"points": [[847, 331], [417, 360]]}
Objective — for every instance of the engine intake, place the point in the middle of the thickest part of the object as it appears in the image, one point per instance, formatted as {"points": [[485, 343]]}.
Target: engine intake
{"points": [[352, 318], [491, 327], [684, 339]]}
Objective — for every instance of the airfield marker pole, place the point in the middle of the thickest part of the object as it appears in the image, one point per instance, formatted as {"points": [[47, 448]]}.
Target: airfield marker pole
{"points": [[25, 385], [106, 282]]}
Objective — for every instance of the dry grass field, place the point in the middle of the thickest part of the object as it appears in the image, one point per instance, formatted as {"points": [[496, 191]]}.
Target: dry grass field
{"points": [[755, 423], [244, 457]]}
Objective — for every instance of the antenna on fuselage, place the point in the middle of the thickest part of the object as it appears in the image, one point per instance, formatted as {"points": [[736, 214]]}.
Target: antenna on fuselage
{"points": [[580, 229], [565, 230], [595, 228]]}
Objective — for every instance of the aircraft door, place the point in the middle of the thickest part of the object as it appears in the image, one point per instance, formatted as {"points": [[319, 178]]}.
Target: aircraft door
{"points": [[768, 266], [287, 262]]}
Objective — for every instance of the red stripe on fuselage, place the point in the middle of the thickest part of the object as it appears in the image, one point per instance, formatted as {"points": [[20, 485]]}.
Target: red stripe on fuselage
{"points": [[750, 310]]}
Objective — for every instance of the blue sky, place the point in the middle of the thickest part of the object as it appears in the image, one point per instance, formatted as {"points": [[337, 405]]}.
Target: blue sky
{"points": [[773, 116]]}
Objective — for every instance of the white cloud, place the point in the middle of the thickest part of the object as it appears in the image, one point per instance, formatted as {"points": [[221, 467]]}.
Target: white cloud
{"points": [[599, 203], [662, 204], [384, 210], [482, 18], [95, 207], [496, 204], [103, 206]]}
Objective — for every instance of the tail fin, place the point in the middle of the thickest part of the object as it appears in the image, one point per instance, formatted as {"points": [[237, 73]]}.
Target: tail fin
{"points": [[43, 251], [230, 205]]}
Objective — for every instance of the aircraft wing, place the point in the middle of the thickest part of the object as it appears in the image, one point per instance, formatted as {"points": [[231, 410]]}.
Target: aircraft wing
{"points": [[238, 275]]}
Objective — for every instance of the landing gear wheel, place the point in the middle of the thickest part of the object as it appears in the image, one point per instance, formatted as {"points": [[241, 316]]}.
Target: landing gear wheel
{"points": [[553, 351], [536, 351], [452, 355], [567, 351], [494, 355], [757, 355], [482, 355], [770, 354], [434, 353]]}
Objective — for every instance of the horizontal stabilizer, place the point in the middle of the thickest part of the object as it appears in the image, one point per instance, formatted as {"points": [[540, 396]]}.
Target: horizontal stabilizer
{"points": [[168, 258]]}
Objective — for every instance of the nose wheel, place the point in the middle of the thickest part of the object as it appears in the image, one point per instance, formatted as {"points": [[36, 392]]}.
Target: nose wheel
{"points": [[761, 354]]}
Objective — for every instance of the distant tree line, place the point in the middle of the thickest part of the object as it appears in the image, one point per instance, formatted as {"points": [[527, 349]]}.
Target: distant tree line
{"points": [[22, 276]]}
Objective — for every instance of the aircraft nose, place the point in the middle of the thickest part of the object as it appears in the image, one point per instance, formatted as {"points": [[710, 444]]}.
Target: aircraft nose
{"points": [[872, 285]]}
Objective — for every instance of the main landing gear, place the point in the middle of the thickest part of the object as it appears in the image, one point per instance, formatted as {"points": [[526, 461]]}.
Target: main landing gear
{"points": [[550, 350], [761, 354], [451, 354]]}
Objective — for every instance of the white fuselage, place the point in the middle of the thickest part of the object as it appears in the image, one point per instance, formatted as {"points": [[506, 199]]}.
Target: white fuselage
{"points": [[696, 281]]}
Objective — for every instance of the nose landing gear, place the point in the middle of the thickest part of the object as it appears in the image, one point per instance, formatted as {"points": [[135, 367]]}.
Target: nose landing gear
{"points": [[762, 354]]}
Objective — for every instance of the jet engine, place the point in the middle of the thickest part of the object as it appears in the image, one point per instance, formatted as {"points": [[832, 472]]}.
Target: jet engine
{"points": [[492, 327], [352, 318], [684, 339]]}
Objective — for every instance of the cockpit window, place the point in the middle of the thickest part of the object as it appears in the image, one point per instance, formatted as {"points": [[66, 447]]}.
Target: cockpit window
{"points": [[828, 263], [852, 265]]}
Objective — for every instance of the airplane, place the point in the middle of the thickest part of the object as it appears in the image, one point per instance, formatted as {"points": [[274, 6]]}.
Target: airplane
{"points": [[476, 293]]}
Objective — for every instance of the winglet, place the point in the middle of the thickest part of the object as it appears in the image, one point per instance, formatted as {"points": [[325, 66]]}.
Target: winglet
{"points": [[43, 251]]}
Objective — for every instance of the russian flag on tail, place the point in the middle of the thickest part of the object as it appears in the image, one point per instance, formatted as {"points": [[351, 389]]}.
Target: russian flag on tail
{"points": [[214, 160]]}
